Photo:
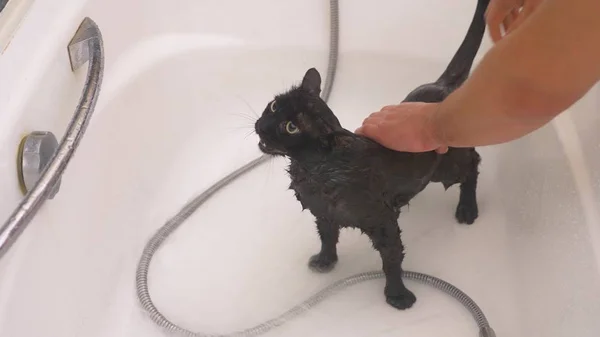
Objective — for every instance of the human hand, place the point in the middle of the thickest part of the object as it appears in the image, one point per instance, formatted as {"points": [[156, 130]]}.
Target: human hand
{"points": [[405, 127], [508, 13]]}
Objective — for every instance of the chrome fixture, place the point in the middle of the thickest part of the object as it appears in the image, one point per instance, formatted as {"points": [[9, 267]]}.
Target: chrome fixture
{"points": [[35, 152], [86, 45]]}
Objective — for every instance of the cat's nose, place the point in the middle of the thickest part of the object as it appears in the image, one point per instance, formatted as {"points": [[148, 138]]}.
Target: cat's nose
{"points": [[260, 127], [257, 128]]}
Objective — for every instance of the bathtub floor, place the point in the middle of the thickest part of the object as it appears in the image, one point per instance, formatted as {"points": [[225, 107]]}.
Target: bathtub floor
{"points": [[229, 270], [242, 258]]}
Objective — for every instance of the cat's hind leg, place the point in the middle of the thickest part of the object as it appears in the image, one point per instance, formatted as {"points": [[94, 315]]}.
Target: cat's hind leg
{"points": [[326, 259], [467, 210]]}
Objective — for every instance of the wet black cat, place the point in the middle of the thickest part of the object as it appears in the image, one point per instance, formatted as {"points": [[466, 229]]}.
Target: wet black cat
{"points": [[347, 180]]}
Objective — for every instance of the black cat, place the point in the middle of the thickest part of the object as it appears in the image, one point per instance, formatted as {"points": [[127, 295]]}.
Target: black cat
{"points": [[347, 180]]}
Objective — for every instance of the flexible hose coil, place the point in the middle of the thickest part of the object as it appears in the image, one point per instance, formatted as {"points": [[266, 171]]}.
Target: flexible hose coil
{"points": [[168, 228]]}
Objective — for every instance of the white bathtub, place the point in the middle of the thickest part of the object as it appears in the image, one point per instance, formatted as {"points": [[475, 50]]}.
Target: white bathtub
{"points": [[167, 125]]}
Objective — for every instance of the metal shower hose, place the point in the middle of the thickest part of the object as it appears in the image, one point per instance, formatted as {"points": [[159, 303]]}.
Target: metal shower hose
{"points": [[167, 229]]}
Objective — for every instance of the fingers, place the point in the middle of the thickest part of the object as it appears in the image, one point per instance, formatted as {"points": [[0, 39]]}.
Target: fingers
{"points": [[528, 9], [441, 149], [370, 131], [370, 126], [516, 23], [508, 20], [374, 119], [495, 16], [387, 108], [504, 16], [403, 127], [500, 17]]}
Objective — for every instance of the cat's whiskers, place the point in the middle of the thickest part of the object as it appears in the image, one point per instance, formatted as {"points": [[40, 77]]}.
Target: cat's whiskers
{"points": [[244, 126], [248, 125], [248, 130], [249, 133], [248, 105], [247, 117]]}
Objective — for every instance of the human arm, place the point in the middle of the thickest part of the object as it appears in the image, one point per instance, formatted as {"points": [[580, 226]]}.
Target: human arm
{"points": [[522, 83], [527, 78]]}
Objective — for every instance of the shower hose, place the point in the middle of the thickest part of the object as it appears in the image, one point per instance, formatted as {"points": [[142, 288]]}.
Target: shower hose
{"points": [[172, 224]]}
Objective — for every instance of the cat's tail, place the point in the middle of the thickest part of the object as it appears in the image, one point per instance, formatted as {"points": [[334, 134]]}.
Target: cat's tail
{"points": [[460, 66]]}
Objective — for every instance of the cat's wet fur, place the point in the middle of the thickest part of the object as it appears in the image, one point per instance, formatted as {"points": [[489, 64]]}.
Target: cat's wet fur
{"points": [[347, 180]]}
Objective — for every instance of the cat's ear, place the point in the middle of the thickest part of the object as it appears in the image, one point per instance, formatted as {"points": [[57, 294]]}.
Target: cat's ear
{"points": [[312, 82]]}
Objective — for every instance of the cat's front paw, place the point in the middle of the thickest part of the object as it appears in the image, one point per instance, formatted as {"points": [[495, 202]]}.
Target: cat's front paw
{"points": [[403, 301], [466, 213], [321, 263]]}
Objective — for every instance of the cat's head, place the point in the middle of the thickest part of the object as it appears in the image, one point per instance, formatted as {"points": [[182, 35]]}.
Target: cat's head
{"points": [[296, 120]]}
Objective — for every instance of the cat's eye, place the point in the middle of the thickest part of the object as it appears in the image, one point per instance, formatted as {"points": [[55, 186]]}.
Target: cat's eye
{"points": [[273, 106], [291, 128]]}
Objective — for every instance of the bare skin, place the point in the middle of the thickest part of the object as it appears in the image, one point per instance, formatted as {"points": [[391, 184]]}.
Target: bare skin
{"points": [[546, 62], [508, 15]]}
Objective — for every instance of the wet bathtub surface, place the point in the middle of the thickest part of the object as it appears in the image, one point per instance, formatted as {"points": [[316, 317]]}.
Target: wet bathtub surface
{"points": [[243, 257], [164, 132]]}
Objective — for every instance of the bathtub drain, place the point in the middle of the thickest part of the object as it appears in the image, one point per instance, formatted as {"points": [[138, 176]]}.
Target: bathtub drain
{"points": [[167, 229]]}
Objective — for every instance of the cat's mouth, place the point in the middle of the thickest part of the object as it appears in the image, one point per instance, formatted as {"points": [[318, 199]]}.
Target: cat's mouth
{"points": [[267, 149]]}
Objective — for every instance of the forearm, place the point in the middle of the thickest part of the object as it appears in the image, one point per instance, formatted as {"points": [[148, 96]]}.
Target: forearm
{"points": [[526, 79]]}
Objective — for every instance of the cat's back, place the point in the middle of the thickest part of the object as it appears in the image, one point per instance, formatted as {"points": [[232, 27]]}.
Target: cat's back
{"points": [[359, 163], [368, 154]]}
